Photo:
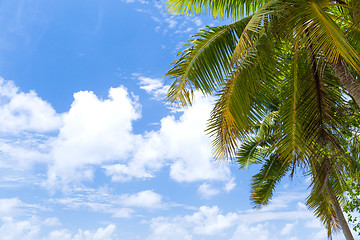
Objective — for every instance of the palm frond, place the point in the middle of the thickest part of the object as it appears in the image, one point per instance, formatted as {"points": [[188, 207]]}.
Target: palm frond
{"points": [[255, 26], [243, 101], [264, 183], [322, 33], [205, 63], [217, 8]]}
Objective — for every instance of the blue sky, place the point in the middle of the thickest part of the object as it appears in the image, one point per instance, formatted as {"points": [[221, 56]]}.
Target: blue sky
{"points": [[89, 150]]}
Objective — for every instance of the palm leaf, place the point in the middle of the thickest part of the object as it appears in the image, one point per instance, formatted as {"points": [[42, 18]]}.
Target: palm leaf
{"points": [[322, 33], [216, 8], [205, 63], [264, 183]]}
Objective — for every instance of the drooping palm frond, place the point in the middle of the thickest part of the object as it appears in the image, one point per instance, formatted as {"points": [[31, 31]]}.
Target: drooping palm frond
{"points": [[289, 137], [257, 24], [258, 147], [264, 183], [217, 8], [243, 101], [320, 202]]}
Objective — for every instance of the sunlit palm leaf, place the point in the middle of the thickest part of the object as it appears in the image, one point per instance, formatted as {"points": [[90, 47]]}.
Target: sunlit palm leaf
{"points": [[216, 8], [205, 63], [322, 32]]}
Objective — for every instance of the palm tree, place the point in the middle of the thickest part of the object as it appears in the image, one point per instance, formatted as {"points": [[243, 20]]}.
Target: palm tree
{"points": [[304, 51]]}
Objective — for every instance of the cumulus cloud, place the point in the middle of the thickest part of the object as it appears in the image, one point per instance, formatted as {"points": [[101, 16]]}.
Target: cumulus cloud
{"points": [[246, 232], [99, 133], [95, 131], [210, 220], [181, 143], [21, 111], [26, 124], [207, 221], [189, 147], [161, 229], [106, 233]]}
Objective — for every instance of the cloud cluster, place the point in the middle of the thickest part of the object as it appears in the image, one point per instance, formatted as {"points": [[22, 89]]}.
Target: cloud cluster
{"points": [[33, 228], [211, 222], [279, 221], [26, 123], [99, 133], [181, 143]]}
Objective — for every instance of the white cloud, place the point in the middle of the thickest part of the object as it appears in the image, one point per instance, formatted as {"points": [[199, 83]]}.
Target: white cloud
{"points": [[210, 220], [181, 143], [161, 229], [207, 191], [188, 147], [104, 200], [287, 228], [21, 152], [123, 213], [26, 125], [153, 86], [95, 131], [229, 186], [301, 205], [98, 132], [172, 23], [33, 229], [198, 22], [14, 230], [100, 234], [8, 206], [245, 232], [320, 235], [147, 199], [21, 111], [245, 225], [53, 221], [207, 221]]}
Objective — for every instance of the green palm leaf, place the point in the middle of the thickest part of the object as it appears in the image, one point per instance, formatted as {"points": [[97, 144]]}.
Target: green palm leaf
{"points": [[216, 8], [205, 63]]}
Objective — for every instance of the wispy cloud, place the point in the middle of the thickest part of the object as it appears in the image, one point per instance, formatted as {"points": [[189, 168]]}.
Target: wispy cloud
{"points": [[207, 191], [34, 228], [153, 86]]}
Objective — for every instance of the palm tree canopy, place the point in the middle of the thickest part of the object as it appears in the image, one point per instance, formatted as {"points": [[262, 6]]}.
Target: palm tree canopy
{"points": [[281, 59]]}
